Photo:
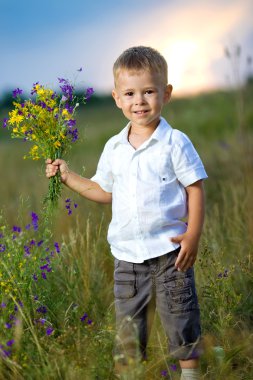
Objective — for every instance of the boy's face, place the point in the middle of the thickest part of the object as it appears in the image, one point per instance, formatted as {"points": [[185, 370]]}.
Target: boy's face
{"points": [[141, 96]]}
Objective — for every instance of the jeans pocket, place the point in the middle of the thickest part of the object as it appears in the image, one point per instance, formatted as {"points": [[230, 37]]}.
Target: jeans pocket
{"points": [[124, 280], [124, 289], [181, 294]]}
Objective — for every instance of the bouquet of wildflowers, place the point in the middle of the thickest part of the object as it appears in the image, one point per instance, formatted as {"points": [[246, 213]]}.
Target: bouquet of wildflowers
{"points": [[48, 121]]}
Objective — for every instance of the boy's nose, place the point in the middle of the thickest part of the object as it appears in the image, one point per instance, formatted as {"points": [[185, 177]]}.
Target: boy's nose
{"points": [[139, 99]]}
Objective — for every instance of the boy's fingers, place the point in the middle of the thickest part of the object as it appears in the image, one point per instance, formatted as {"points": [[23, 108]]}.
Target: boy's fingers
{"points": [[48, 161], [176, 239]]}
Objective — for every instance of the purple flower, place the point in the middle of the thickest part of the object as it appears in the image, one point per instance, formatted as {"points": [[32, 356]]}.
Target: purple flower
{"points": [[61, 80], [43, 275], [2, 248], [10, 343], [89, 321], [5, 122], [164, 373], [42, 309], [71, 123], [89, 93], [69, 108], [16, 92], [49, 330], [35, 277], [67, 88], [8, 325], [81, 69], [57, 248], [74, 134], [40, 243], [173, 367], [16, 229], [3, 305], [84, 317], [35, 220]]}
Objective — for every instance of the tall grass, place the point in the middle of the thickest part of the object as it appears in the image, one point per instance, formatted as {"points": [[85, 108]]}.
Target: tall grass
{"points": [[73, 337]]}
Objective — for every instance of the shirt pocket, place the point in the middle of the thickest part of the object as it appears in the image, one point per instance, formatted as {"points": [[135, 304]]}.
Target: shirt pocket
{"points": [[168, 183]]}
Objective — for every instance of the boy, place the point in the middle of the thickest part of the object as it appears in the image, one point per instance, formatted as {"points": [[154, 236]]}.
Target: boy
{"points": [[153, 177]]}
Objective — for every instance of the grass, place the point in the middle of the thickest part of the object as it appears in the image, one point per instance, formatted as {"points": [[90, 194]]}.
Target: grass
{"points": [[74, 338]]}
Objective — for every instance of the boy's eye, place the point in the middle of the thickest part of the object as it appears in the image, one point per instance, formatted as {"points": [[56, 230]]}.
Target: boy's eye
{"points": [[149, 92], [130, 93]]}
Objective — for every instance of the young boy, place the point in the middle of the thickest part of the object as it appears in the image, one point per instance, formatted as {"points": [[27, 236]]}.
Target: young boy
{"points": [[153, 176]]}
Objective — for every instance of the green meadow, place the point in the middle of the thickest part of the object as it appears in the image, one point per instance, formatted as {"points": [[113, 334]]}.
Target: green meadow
{"points": [[58, 322]]}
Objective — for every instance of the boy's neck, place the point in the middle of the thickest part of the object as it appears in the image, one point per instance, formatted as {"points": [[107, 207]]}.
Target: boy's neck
{"points": [[138, 135]]}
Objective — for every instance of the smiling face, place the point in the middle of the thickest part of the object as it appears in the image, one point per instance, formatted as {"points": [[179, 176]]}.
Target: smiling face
{"points": [[141, 96]]}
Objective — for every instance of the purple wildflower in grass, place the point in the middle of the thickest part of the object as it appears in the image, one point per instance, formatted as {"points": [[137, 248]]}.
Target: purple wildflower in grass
{"points": [[42, 309], [2, 247], [35, 277], [49, 330], [75, 205], [57, 248], [32, 242], [27, 250], [16, 229], [35, 220], [82, 319], [16, 92], [3, 305], [89, 322], [89, 93], [173, 367], [225, 274], [8, 325], [28, 226], [40, 243], [12, 317], [6, 353], [5, 122], [35, 298], [1, 235], [10, 343], [164, 373], [43, 275]]}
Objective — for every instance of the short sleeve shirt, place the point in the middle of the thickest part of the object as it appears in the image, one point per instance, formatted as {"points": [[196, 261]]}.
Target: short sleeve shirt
{"points": [[148, 184]]}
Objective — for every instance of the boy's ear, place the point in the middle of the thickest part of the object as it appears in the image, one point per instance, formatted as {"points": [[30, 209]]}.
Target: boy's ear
{"points": [[167, 93], [116, 98]]}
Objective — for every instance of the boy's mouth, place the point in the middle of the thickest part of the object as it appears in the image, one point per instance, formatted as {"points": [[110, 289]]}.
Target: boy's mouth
{"points": [[140, 112]]}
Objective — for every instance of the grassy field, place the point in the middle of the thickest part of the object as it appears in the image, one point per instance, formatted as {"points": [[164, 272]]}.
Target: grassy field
{"points": [[58, 322]]}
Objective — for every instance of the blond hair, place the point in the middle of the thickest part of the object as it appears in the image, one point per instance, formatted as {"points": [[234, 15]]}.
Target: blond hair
{"points": [[141, 58]]}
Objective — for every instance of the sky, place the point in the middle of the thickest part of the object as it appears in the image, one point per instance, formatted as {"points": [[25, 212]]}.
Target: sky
{"points": [[44, 40]]}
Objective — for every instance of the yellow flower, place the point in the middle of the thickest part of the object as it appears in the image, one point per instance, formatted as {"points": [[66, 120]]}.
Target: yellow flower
{"points": [[57, 144]]}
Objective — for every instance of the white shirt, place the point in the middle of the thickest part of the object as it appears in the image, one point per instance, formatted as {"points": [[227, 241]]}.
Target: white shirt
{"points": [[148, 190]]}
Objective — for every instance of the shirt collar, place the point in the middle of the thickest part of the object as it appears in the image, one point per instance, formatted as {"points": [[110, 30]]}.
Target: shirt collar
{"points": [[162, 129]]}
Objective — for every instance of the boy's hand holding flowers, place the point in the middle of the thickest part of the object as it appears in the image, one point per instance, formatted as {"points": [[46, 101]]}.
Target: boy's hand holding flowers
{"points": [[53, 167]]}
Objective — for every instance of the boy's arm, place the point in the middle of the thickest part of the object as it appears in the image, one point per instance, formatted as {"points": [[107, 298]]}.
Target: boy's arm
{"points": [[190, 239], [83, 186]]}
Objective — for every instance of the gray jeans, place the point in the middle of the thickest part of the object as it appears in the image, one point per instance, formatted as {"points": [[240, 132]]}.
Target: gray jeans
{"points": [[156, 283]]}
